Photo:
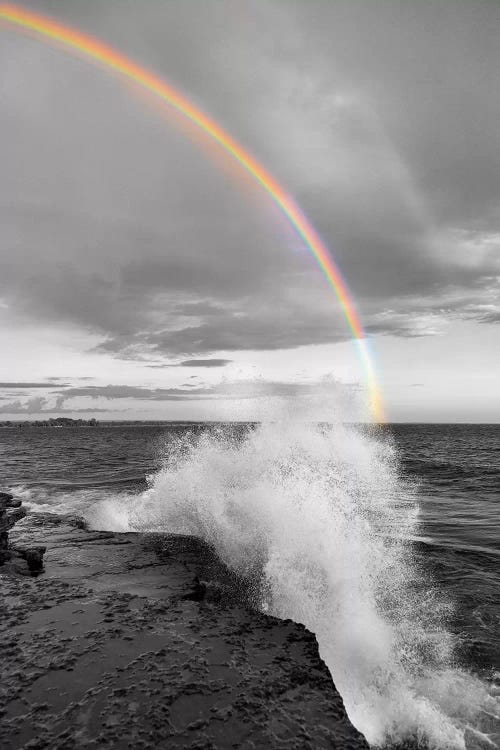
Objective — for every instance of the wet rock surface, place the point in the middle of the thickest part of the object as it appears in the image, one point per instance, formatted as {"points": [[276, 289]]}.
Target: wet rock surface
{"points": [[11, 511], [144, 641]]}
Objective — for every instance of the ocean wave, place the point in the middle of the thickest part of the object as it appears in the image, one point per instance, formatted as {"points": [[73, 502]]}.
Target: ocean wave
{"points": [[322, 518], [84, 503]]}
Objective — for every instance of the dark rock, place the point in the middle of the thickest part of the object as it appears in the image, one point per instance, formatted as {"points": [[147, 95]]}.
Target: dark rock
{"points": [[4, 546], [197, 592], [10, 517], [5, 497], [14, 503], [11, 511], [9, 501], [33, 557], [15, 514], [77, 522]]}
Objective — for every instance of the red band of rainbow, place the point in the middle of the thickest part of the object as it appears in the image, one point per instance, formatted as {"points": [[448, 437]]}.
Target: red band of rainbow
{"points": [[112, 60]]}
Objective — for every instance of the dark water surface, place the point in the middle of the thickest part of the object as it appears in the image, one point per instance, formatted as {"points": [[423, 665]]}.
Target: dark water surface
{"points": [[458, 472]]}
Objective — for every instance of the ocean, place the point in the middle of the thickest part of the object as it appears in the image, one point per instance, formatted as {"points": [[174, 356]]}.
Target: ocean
{"points": [[385, 542]]}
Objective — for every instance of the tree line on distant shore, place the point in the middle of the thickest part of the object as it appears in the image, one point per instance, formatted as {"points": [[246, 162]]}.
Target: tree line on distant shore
{"points": [[57, 422]]}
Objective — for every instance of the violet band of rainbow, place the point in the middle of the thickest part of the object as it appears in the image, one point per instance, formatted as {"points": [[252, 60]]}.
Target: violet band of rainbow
{"points": [[111, 59]]}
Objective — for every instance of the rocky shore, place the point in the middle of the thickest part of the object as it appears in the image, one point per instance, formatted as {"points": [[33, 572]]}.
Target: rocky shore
{"points": [[11, 511], [147, 641]]}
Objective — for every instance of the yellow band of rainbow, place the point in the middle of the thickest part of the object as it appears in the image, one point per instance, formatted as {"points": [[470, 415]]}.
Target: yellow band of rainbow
{"points": [[99, 52]]}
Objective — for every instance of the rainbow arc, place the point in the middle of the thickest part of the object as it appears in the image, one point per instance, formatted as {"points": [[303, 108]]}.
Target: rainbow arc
{"points": [[73, 40]]}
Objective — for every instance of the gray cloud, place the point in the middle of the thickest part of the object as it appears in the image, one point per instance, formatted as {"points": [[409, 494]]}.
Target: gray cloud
{"points": [[483, 313], [226, 390], [232, 330], [407, 325], [191, 392], [41, 406], [135, 392], [386, 131], [22, 385], [213, 362], [32, 406], [204, 362]]}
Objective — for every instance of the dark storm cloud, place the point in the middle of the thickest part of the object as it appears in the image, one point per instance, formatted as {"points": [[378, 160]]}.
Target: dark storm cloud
{"points": [[381, 118]]}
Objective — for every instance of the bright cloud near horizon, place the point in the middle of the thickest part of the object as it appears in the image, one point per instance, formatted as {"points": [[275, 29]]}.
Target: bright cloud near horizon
{"points": [[143, 277]]}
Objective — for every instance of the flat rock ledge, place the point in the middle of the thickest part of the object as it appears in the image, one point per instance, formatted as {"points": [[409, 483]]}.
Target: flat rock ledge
{"points": [[146, 641]]}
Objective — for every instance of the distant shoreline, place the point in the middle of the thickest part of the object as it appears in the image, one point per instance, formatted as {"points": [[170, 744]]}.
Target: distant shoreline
{"points": [[67, 422]]}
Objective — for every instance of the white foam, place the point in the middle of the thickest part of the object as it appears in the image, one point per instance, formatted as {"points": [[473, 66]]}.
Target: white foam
{"points": [[99, 509]]}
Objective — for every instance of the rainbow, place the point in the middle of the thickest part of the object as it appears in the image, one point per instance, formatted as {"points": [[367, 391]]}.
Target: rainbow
{"points": [[112, 60]]}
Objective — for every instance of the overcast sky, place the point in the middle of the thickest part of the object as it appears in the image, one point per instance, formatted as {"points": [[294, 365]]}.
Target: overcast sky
{"points": [[142, 276]]}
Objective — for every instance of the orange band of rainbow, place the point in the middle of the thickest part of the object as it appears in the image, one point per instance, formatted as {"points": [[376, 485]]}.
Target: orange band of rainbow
{"points": [[111, 59]]}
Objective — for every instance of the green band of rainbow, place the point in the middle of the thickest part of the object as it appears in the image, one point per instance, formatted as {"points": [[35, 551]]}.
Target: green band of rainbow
{"points": [[112, 60]]}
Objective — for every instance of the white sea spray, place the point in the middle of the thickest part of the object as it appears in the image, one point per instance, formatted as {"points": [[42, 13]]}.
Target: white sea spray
{"points": [[321, 515]]}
